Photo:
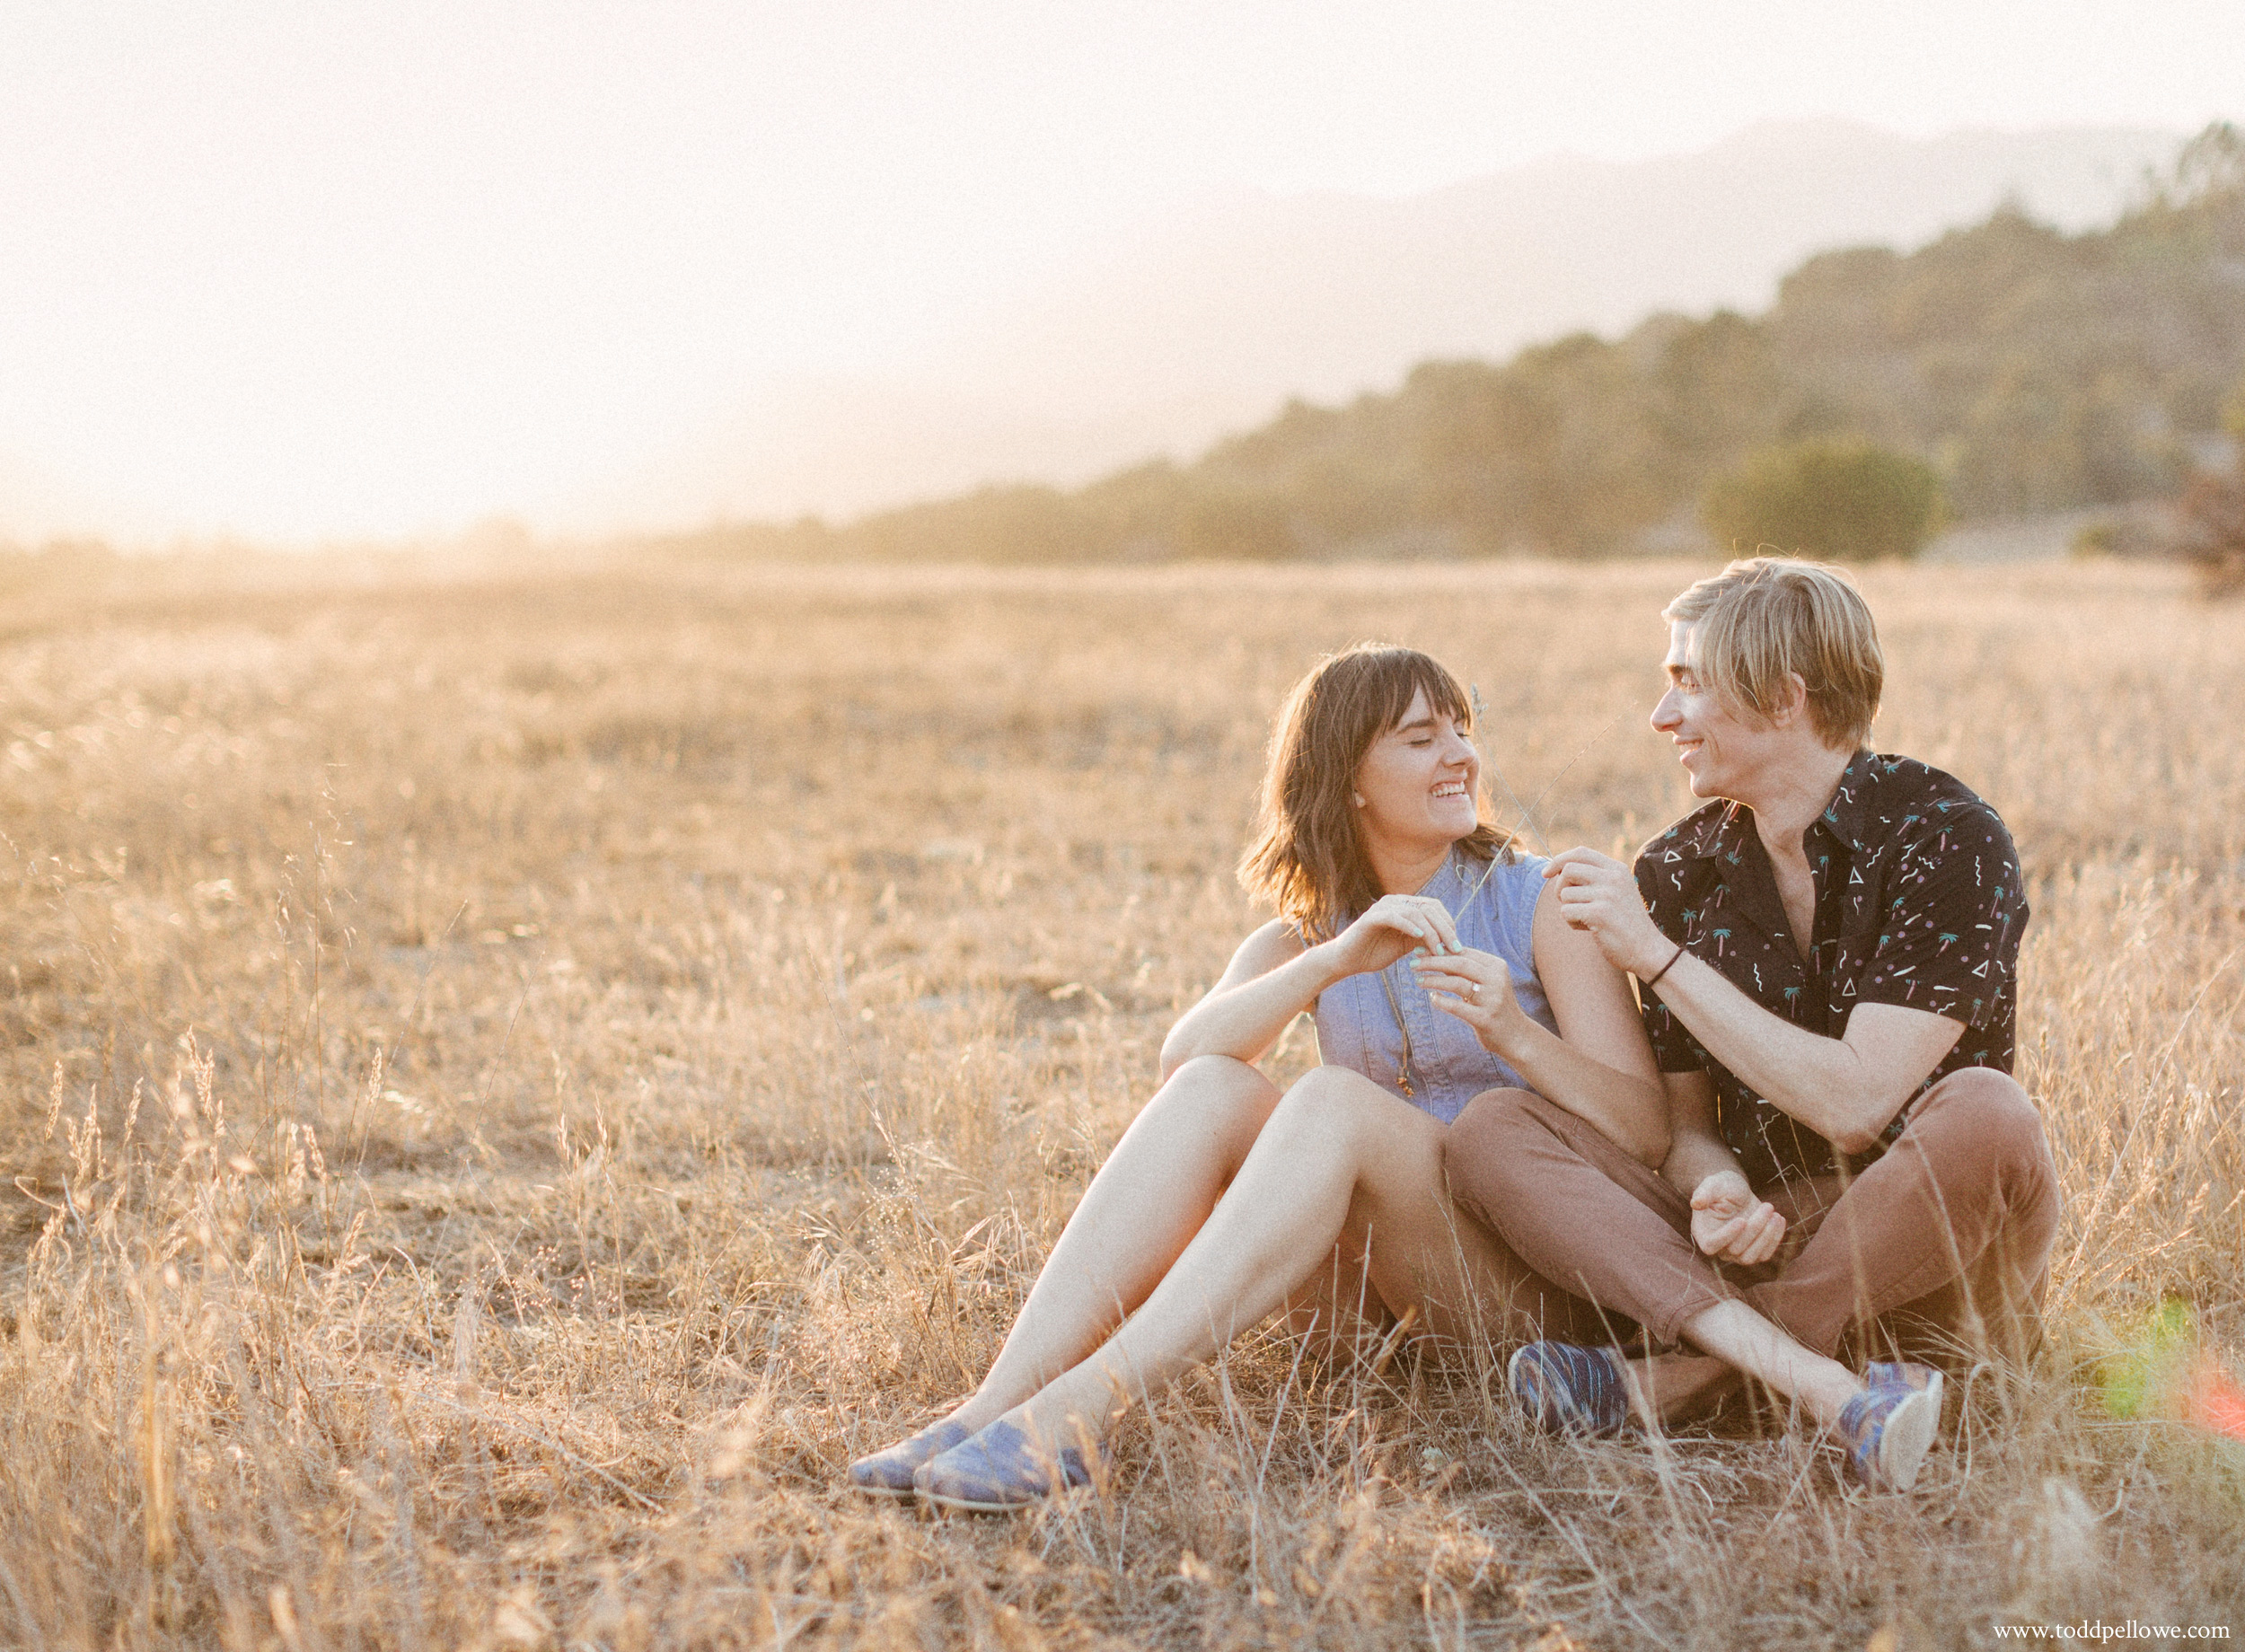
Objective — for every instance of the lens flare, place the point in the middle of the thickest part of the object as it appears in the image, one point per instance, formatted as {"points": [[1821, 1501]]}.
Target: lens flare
{"points": [[2168, 1372]]}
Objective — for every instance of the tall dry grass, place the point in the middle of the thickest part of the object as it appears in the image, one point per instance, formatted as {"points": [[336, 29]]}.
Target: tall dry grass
{"points": [[514, 1081]]}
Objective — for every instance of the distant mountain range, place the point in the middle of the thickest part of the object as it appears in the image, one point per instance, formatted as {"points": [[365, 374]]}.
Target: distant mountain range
{"points": [[2027, 369], [1206, 322]]}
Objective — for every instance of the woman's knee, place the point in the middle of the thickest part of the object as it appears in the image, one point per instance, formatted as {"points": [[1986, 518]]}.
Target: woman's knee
{"points": [[1338, 1105], [1212, 1095], [1322, 1094], [1220, 1081]]}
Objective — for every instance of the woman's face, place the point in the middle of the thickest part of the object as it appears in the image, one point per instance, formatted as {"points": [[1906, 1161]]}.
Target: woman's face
{"points": [[1419, 781]]}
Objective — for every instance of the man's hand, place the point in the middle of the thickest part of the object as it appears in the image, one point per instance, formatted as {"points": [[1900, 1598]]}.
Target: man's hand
{"points": [[1731, 1224], [1597, 894]]}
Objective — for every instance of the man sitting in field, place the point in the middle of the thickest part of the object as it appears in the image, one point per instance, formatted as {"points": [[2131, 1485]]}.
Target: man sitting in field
{"points": [[1827, 953]]}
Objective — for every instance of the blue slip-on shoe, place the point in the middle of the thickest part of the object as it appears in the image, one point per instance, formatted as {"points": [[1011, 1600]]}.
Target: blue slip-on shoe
{"points": [[1887, 1428], [999, 1472], [889, 1473], [1570, 1390]]}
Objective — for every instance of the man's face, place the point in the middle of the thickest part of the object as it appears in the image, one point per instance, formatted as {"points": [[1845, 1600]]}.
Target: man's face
{"points": [[1724, 750]]}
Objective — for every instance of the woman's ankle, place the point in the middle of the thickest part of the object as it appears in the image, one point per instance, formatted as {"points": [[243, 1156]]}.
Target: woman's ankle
{"points": [[979, 1411]]}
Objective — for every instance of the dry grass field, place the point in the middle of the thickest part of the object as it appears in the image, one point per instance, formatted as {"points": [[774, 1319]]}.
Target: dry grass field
{"points": [[514, 1080]]}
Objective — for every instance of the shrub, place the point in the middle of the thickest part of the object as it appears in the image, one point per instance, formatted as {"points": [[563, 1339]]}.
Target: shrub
{"points": [[2214, 531], [1848, 500]]}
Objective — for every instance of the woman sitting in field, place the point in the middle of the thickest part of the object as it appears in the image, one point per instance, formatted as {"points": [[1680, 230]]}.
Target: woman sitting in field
{"points": [[1436, 961]]}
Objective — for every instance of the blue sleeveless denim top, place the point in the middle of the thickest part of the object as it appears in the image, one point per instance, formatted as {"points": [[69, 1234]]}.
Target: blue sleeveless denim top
{"points": [[1356, 1025]]}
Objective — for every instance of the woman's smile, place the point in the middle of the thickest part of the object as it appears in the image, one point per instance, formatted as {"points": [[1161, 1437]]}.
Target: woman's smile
{"points": [[1419, 776]]}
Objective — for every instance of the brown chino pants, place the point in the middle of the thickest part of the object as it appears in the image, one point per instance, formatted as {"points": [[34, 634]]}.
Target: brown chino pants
{"points": [[1940, 1248]]}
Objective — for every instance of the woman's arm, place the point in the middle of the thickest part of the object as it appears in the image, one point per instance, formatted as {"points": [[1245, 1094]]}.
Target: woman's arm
{"points": [[1599, 1068], [1273, 977]]}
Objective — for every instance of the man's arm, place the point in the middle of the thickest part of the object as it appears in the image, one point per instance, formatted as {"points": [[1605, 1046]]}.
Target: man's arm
{"points": [[1728, 1222], [1696, 1150], [1847, 1089]]}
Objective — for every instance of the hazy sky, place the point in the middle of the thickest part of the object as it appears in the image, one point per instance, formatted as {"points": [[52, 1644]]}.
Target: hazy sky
{"points": [[295, 270]]}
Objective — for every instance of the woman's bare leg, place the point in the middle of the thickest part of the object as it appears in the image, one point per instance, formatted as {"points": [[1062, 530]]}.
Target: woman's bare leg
{"points": [[1140, 1213], [1335, 1313], [1341, 1163]]}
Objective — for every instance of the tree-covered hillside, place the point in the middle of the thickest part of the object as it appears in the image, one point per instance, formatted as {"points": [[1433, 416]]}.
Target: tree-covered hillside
{"points": [[2033, 370]]}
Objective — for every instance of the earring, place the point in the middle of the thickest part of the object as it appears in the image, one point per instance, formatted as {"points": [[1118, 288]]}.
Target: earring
{"points": [[1359, 797]]}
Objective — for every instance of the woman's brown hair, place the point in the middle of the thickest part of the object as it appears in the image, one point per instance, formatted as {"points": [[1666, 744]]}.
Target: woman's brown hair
{"points": [[1307, 856]]}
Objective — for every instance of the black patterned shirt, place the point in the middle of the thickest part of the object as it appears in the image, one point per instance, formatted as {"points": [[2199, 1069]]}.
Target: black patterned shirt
{"points": [[1918, 902]]}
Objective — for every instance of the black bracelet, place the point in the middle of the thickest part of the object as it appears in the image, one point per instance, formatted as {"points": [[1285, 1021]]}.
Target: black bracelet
{"points": [[1664, 967]]}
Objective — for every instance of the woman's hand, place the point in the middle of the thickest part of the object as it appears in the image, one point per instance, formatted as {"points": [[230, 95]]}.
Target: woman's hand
{"points": [[1391, 926], [1477, 988], [1729, 1223]]}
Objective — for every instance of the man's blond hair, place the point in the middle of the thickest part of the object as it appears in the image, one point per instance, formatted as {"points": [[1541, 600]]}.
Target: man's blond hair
{"points": [[1765, 617]]}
